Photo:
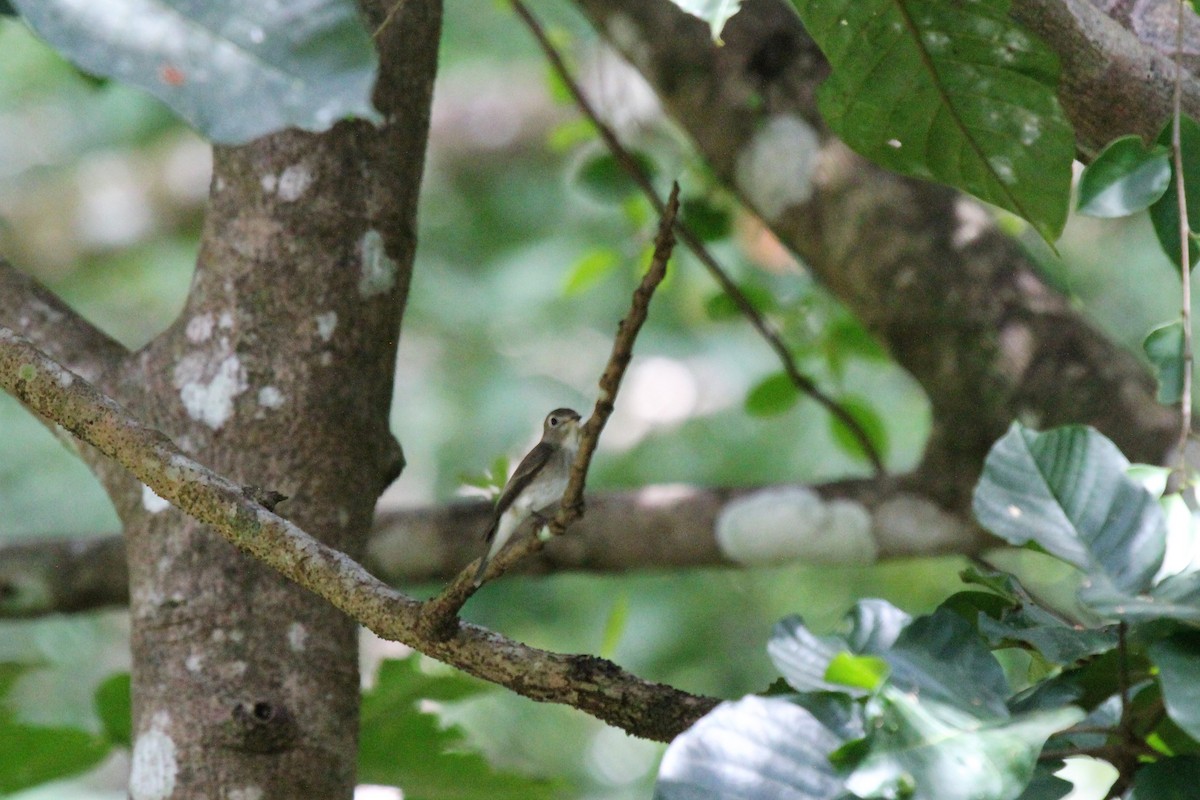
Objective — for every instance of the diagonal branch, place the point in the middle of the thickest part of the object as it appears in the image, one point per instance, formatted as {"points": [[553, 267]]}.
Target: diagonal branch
{"points": [[39, 315], [440, 612], [636, 171], [594, 685]]}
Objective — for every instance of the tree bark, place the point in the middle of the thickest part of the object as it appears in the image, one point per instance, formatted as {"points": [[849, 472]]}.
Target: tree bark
{"points": [[278, 373]]}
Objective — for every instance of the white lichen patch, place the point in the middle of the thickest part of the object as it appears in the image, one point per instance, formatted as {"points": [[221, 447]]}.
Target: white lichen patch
{"points": [[269, 183], [326, 324], [199, 328], [378, 269], [296, 636], [293, 182], [913, 525], [794, 523], [152, 502], [246, 793], [153, 767], [775, 169], [270, 397], [194, 662], [209, 385]]}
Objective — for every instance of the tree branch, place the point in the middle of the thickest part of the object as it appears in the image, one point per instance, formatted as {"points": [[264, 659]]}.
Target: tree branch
{"points": [[635, 170], [955, 301], [1111, 84], [590, 684], [441, 612], [39, 315]]}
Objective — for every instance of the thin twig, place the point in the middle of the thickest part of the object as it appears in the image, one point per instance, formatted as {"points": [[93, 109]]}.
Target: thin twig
{"points": [[1185, 260], [635, 170], [594, 685], [441, 612]]}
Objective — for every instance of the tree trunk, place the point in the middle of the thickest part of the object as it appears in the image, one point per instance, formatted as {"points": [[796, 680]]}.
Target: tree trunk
{"points": [[278, 374]]}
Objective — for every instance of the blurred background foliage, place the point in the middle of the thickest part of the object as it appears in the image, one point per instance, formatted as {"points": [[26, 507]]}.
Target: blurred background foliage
{"points": [[529, 247]]}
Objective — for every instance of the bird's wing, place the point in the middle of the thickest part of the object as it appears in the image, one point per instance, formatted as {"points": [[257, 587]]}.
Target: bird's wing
{"points": [[529, 467]]}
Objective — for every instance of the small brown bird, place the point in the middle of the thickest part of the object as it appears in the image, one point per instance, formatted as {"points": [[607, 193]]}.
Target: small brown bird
{"points": [[538, 483]]}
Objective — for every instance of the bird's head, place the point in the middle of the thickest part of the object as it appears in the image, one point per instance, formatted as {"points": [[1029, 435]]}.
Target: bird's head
{"points": [[561, 427]]}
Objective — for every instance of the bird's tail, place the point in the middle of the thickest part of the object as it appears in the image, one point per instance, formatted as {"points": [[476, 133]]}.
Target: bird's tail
{"points": [[489, 536]]}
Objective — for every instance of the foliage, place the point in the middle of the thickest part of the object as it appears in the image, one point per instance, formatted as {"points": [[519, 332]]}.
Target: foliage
{"points": [[897, 707], [280, 65]]}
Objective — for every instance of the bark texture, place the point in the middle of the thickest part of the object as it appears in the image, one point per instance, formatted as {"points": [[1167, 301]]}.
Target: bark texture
{"points": [[278, 374]]}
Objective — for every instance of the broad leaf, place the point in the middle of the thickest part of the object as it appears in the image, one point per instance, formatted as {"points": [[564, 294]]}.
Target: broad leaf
{"points": [[1178, 662], [1177, 597], [235, 71], [755, 747], [925, 750], [870, 628], [1067, 491], [1126, 177], [1169, 779], [1056, 641], [941, 658], [954, 92]]}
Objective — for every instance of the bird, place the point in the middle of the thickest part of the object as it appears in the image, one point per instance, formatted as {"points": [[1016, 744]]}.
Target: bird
{"points": [[538, 483]]}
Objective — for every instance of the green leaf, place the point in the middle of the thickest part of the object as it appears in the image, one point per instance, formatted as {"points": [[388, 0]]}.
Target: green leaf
{"points": [[601, 176], [954, 92], [1169, 779], [941, 658], [870, 421], [721, 306], [1126, 177], [590, 270], [858, 672], [1056, 641], [114, 708], [570, 134], [235, 71], [403, 746], [802, 657], [1045, 785], [30, 754], [754, 747], [1067, 490], [922, 749], [772, 395], [715, 12], [1164, 214], [1164, 348], [1178, 662], [706, 220], [1176, 597]]}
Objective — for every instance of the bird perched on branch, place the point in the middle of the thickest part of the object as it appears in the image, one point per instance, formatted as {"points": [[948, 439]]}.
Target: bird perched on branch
{"points": [[538, 483]]}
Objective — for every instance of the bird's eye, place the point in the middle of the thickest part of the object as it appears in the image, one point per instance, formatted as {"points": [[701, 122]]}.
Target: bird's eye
{"points": [[554, 422]]}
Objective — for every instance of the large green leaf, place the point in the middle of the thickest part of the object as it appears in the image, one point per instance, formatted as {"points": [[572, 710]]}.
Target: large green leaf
{"points": [[923, 749], [941, 658], [1164, 214], [234, 70], [1164, 348], [954, 92], [403, 746], [755, 747], [1067, 491], [114, 707], [1056, 641]]}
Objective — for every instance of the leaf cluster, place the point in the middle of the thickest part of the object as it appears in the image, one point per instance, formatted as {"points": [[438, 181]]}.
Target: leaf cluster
{"points": [[890, 706]]}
